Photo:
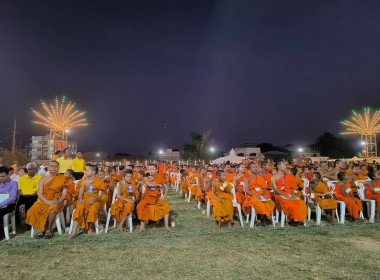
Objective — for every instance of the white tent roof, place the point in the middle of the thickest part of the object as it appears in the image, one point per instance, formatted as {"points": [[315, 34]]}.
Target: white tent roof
{"points": [[232, 157]]}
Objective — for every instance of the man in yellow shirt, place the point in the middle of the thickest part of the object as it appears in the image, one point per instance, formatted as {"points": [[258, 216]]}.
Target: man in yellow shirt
{"points": [[27, 186], [78, 166], [65, 162]]}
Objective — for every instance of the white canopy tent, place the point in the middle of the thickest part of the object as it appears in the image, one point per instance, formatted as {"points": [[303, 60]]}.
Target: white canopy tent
{"points": [[232, 158]]}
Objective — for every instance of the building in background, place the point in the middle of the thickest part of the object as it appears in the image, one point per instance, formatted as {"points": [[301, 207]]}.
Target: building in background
{"points": [[246, 149], [41, 147], [168, 155]]}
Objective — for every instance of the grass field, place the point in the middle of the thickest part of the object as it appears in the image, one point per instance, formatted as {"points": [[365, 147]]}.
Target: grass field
{"points": [[197, 251]]}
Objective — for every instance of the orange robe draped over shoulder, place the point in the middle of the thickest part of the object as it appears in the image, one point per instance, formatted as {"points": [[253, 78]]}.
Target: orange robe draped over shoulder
{"points": [[150, 207], [257, 186], [122, 208], [240, 193], [86, 213], [39, 212], [223, 211], [294, 209], [372, 196], [324, 203], [353, 204]]}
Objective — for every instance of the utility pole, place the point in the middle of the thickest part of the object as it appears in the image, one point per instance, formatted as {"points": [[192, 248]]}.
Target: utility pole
{"points": [[14, 138]]}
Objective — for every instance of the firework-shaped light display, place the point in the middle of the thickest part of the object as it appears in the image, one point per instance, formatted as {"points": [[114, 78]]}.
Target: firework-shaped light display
{"points": [[59, 118], [367, 125]]}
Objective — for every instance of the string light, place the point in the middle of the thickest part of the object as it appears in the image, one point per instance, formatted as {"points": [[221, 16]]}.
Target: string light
{"points": [[60, 116], [363, 124]]}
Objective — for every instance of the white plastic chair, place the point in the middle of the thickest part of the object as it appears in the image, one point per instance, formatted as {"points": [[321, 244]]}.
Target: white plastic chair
{"points": [[6, 218], [59, 221], [370, 203], [114, 193], [72, 224], [208, 207], [237, 205]]}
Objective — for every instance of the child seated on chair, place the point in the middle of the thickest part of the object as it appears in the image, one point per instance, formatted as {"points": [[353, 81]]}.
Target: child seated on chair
{"points": [[222, 200], [127, 195], [343, 192], [90, 195]]}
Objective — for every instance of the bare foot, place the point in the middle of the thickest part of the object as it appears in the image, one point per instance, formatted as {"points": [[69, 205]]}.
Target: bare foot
{"points": [[216, 227], [70, 237], [169, 229], [229, 226], [90, 233], [141, 230], [377, 220]]}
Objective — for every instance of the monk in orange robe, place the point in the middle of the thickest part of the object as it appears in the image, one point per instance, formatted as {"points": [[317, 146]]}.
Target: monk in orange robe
{"points": [[343, 192], [323, 197], [105, 197], [299, 181], [51, 191], [153, 205], [255, 187], [355, 176], [184, 185], [239, 183], [70, 187], [266, 171], [127, 195], [284, 187], [230, 173], [372, 191], [222, 200], [208, 186], [90, 195], [200, 195], [194, 181]]}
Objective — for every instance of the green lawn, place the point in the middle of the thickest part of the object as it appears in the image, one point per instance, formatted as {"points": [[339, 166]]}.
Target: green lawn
{"points": [[197, 251]]}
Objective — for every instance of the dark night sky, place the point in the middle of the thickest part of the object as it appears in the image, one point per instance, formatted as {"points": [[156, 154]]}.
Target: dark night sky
{"points": [[263, 71]]}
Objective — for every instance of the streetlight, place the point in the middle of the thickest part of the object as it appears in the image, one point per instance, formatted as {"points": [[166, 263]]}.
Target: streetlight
{"points": [[160, 152], [212, 149], [98, 155], [67, 131], [300, 150]]}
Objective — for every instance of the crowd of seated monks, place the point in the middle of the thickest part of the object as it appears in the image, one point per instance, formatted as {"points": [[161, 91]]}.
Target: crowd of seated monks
{"points": [[136, 192], [270, 188]]}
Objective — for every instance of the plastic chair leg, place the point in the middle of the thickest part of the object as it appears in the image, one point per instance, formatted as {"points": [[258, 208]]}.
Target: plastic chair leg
{"points": [[282, 218], [337, 216], [6, 226], [318, 216], [72, 223], [58, 223], [130, 223], [240, 216], [208, 209], [32, 232], [308, 213], [13, 222], [361, 214], [108, 220], [253, 217], [97, 227], [62, 218], [373, 211], [273, 220], [342, 212]]}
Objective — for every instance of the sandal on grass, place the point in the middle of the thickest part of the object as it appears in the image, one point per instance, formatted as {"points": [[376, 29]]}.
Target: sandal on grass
{"points": [[48, 235], [41, 235]]}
